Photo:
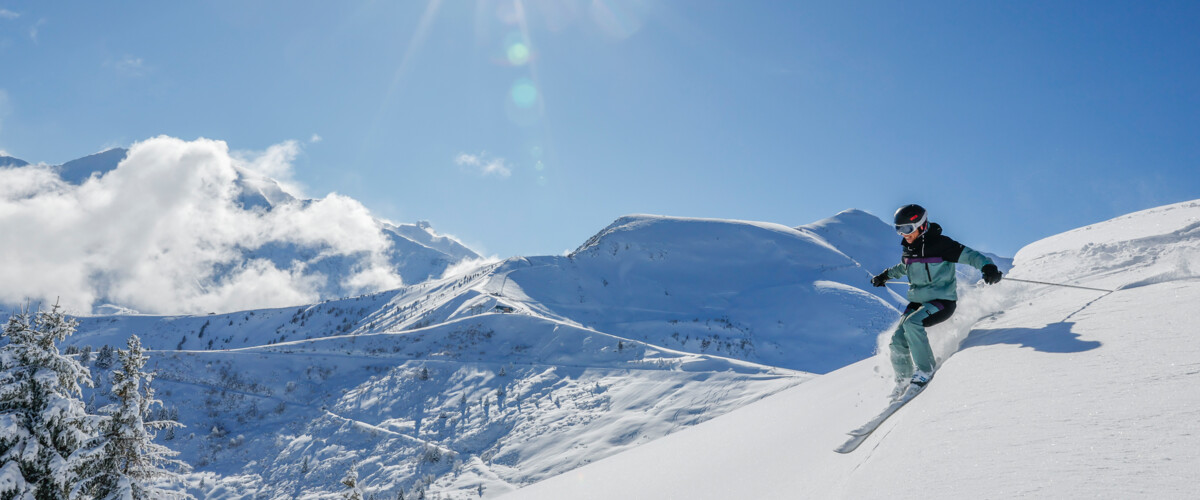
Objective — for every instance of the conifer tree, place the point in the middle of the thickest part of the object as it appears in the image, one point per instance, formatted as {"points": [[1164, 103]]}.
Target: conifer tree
{"points": [[42, 418], [123, 462], [353, 492], [104, 360]]}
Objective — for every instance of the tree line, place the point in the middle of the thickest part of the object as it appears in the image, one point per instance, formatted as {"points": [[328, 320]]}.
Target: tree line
{"points": [[51, 448]]}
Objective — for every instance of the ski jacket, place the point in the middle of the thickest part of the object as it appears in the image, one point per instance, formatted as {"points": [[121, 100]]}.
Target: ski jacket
{"points": [[929, 264]]}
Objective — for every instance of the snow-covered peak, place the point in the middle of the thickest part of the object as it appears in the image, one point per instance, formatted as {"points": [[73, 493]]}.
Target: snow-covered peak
{"points": [[8, 161], [80, 170], [860, 236], [757, 291], [259, 191], [659, 231]]}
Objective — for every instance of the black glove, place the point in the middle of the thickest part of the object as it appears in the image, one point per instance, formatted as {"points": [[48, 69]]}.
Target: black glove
{"points": [[991, 275], [880, 279]]}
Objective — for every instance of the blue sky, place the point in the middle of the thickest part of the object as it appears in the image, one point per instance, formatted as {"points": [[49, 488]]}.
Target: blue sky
{"points": [[525, 127]]}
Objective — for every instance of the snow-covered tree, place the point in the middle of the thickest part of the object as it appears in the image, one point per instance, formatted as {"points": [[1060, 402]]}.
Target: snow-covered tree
{"points": [[42, 419], [106, 357], [123, 462], [353, 492]]}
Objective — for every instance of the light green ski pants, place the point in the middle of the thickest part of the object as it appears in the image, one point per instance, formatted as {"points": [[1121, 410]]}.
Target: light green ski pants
{"points": [[910, 343]]}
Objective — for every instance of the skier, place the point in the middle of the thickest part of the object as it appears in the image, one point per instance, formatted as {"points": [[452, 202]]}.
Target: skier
{"points": [[928, 261]]}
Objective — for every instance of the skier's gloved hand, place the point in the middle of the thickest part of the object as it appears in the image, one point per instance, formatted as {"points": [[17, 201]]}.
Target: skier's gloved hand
{"points": [[880, 279], [991, 275]]}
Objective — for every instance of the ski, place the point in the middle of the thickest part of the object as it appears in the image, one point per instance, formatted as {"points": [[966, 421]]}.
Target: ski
{"points": [[859, 435]]}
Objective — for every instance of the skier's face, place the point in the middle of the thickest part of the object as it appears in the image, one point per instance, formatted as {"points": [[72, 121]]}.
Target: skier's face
{"points": [[911, 237]]}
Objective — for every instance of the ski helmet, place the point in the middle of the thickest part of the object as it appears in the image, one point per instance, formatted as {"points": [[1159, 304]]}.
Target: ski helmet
{"points": [[911, 218]]}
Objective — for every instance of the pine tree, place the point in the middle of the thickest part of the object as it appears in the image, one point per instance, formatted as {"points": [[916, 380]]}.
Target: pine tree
{"points": [[42, 418], [353, 492], [104, 360], [123, 461]]}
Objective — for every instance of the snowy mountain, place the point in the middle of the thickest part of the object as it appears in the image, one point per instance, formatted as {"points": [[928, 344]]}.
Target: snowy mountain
{"points": [[519, 370], [173, 226], [1042, 391], [79, 170], [9, 162], [418, 253]]}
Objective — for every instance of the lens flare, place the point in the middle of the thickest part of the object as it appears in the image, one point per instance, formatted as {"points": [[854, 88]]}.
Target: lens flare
{"points": [[518, 54], [524, 94], [517, 50]]}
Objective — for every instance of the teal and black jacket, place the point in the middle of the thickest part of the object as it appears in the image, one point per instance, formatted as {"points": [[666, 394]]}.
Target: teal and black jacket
{"points": [[929, 264]]}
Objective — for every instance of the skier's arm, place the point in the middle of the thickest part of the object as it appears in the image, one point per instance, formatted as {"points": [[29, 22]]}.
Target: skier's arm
{"points": [[887, 274], [974, 259], [991, 275], [897, 271]]}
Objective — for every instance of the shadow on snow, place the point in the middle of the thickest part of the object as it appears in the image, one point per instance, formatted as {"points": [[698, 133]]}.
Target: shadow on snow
{"points": [[1053, 338]]}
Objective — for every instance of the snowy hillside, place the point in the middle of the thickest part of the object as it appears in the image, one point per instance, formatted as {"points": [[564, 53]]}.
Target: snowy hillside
{"points": [[754, 291], [480, 404], [1044, 392]]}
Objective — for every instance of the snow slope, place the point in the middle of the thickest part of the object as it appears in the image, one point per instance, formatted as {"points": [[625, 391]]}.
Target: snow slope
{"points": [[754, 291], [485, 403], [1043, 392]]}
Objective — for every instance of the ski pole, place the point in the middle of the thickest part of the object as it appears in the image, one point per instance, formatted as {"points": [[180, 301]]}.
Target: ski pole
{"points": [[1029, 281], [1057, 284]]}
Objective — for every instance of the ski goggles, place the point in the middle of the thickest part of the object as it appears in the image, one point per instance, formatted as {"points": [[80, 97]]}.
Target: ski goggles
{"points": [[911, 227]]}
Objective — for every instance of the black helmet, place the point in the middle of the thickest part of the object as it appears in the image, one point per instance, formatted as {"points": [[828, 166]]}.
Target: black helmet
{"points": [[911, 218]]}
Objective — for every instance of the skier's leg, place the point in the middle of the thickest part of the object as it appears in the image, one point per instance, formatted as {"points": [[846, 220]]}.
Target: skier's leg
{"points": [[902, 363], [901, 359], [945, 310], [918, 340]]}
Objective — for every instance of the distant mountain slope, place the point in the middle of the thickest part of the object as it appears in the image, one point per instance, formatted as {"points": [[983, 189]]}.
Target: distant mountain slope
{"points": [[8, 161], [79, 170], [1054, 393]]}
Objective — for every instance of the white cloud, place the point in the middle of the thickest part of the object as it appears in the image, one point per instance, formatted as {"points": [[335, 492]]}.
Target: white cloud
{"points": [[163, 233], [8, 14], [129, 66], [275, 162], [484, 164], [468, 266], [314, 139]]}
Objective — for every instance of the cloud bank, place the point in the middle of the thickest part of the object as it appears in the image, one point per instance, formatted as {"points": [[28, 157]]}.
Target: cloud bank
{"points": [[168, 232]]}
